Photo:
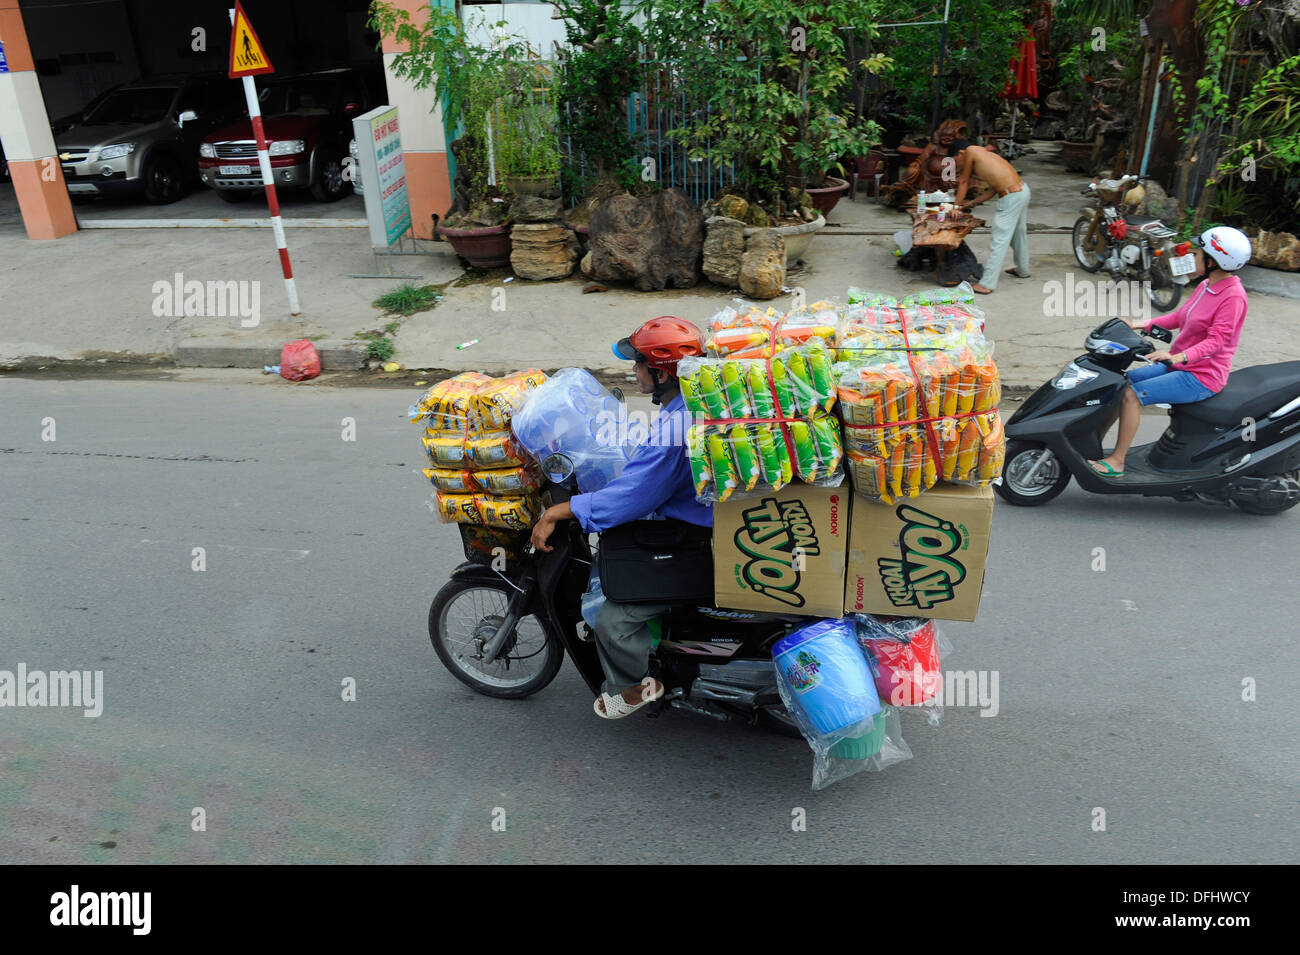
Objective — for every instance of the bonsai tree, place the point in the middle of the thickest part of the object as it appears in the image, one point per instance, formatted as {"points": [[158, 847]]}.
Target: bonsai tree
{"points": [[769, 77], [598, 72], [468, 79]]}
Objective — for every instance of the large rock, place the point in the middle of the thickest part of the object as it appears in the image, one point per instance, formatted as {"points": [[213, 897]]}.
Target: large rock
{"points": [[652, 241], [542, 250], [762, 269], [536, 209], [724, 246], [1275, 250], [733, 207], [1157, 203]]}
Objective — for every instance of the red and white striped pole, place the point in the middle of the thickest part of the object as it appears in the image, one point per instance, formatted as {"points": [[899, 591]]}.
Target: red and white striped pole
{"points": [[268, 180]]}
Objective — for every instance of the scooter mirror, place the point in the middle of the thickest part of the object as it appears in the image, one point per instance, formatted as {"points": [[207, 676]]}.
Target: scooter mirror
{"points": [[1161, 334], [618, 395], [557, 467]]}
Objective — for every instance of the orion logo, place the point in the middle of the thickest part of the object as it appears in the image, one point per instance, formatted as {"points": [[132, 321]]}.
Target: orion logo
{"points": [[776, 537], [925, 574]]}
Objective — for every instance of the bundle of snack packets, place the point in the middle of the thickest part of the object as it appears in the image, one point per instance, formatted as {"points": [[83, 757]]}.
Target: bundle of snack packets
{"points": [[762, 422], [480, 474], [744, 330], [918, 393]]}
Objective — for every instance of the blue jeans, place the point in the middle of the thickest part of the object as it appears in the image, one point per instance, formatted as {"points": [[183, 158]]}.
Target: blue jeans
{"points": [[1160, 384]]}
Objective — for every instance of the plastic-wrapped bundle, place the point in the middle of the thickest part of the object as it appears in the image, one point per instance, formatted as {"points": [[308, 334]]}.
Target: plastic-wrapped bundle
{"points": [[743, 330], [957, 294], [827, 687], [726, 458], [912, 420], [510, 513], [493, 404], [445, 406], [859, 296], [799, 383], [574, 415]]}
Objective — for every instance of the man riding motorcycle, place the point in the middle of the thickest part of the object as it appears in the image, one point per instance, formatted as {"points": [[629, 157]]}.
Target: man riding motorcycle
{"points": [[656, 483]]}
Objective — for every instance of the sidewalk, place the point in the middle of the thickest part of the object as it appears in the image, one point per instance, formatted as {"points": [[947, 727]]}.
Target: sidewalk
{"points": [[91, 296]]}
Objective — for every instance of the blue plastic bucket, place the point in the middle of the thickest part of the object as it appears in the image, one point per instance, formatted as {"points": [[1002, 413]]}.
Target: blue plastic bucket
{"points": [[827, 675]]}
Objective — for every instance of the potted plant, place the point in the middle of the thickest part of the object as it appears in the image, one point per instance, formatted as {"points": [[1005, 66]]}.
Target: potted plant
{"points": [[525, 134], [768, 80], [469, 80]]}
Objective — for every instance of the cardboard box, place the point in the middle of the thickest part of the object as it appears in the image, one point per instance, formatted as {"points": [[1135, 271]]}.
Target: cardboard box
{"points": [[783, 551], [920, 557]]}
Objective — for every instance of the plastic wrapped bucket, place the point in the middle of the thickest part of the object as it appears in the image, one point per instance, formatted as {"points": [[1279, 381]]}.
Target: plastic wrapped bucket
{"points": [[827, 675], [905, 658], [865, 746]]}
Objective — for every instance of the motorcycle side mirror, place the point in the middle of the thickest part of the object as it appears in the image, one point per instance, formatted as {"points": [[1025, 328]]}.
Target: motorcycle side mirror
{"points": [[1161, 334], [558, 468], [618, 395]]}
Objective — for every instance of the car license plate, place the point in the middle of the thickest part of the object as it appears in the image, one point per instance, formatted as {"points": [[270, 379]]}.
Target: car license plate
{"points": [[1183, 264], [82, 187], [236, 170]]}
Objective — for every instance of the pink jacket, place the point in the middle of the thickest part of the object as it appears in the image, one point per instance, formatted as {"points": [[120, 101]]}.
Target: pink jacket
{"points": [[1210, 323]]}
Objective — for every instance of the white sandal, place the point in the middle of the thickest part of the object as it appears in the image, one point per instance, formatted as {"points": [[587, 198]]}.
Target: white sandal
{"points": [[616, 707]]}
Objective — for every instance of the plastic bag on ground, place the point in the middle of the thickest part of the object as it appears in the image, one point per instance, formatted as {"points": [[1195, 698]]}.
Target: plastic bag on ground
{"points": [[299, 361]]}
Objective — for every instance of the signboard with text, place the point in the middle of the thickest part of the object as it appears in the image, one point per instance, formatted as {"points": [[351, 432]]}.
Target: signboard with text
{"points": [[383, 175]]}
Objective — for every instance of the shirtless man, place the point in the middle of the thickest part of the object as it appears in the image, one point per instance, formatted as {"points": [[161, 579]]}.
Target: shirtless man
{"points": [[1013, 208]]}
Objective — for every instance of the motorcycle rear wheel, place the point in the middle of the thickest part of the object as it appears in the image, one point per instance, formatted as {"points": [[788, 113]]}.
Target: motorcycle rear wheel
{"points": [[1268, 510], [465, 614], [1089, 260], [1161, 288]]}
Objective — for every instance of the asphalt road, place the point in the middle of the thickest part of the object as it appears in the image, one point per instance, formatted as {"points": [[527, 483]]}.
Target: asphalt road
{"points": [[1119, 689]]}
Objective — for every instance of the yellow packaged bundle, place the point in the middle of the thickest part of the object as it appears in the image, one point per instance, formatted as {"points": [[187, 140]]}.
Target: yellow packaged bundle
{"points": [[492, 405], [445, 449], [507, 481], [458, 508], [446, 404], [451, 480], [493, 449], [511, 513]]}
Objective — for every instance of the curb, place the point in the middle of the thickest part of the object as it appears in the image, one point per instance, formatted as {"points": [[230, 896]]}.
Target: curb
{"points": [[335, 355], [1270, 281]]}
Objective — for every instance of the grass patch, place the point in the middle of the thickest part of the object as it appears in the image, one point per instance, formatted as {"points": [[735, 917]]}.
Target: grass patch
{"points": [[380, 349], [408, 299]]}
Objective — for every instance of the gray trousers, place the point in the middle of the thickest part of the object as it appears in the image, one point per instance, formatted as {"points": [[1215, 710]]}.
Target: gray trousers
{"points": [[623, 643], [1009, 229]]}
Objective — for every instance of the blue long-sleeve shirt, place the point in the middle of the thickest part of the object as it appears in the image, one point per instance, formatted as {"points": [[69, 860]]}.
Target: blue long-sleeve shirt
{"points": [[655, 483]]}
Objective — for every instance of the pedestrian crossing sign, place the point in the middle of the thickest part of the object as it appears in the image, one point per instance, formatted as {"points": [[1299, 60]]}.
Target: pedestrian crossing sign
{"points": [[247, 58]]}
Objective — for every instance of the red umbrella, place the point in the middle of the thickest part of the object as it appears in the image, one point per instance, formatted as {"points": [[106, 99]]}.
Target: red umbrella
{"points": [[1023, 83]]}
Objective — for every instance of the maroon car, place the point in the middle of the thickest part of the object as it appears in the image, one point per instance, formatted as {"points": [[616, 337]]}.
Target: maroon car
{"points": [[308, 124]]}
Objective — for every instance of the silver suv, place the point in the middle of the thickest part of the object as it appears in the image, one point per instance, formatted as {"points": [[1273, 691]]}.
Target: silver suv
{"points": [[143, 137]]}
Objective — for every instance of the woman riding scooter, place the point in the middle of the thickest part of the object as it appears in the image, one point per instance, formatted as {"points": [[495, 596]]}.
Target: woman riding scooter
{"points": [[655, 483], [1200, 357]]}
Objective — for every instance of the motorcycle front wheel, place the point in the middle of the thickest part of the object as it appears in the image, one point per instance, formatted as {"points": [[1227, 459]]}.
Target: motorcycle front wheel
{"points": [[1089, 259], [1161, 288], [465, 615], [1020, 461]]}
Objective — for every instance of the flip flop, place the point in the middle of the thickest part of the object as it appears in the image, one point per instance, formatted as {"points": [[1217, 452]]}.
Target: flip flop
{"points": [[1015, 273], [616, 707], [1110, 472], [980, 290]]}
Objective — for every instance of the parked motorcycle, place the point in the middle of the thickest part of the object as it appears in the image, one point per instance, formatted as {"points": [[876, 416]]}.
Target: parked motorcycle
{"points": [[1130, 247], [503, 631], [1241, 446]]}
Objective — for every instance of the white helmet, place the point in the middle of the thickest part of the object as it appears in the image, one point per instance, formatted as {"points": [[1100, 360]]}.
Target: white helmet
{"points": [[1227, 246]]}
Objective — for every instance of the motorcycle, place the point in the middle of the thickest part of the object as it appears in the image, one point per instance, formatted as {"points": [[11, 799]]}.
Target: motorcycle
{"points": [[1241, 446], [503, 628], [1109, 235]]}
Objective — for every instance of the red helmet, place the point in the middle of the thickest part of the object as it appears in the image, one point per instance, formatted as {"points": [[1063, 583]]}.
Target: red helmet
{"points": [[662, 342]]}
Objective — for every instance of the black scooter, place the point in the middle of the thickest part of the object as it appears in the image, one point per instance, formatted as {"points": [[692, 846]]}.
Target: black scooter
{"points": [[503, 623], [1242, 446]]}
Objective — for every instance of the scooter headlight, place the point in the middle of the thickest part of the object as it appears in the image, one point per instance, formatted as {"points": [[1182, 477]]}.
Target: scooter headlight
{"points": [[1072, 377]]}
